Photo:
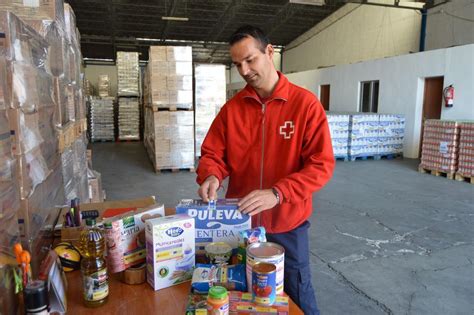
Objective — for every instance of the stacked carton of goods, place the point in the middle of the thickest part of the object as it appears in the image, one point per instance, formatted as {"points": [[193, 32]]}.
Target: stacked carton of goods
{"points": [[9, 190], [104, 85], [339, 124], [169, 135], [391, 134], [363, 135], [129, 118], [169, 77], [27, 86], [210, 93], [102, 119], [128, 92], [440, 146], [466, 151], [127, 74], [170, 138]]}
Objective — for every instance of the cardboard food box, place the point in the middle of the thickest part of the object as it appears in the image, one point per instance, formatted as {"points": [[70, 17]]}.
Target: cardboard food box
{"points": [[221, 224], [125, 237], [197, 304], [170, 250], [241, 303], [105, 209]]}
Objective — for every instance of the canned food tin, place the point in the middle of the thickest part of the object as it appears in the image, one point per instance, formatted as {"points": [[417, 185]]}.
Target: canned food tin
{"points": [[264, 283], [269, 253], [218, 253]]}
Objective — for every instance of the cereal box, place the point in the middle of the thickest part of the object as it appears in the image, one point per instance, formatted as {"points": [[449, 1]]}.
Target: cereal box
{"points": [[170, 250], [125, 237], [220, 222]]}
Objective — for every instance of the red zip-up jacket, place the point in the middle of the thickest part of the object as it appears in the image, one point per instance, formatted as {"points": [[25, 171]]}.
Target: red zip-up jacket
{"points": [[283, 143]]}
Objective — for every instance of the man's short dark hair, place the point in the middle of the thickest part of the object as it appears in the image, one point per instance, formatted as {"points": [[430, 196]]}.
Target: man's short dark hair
{"points": [[250, 31]]}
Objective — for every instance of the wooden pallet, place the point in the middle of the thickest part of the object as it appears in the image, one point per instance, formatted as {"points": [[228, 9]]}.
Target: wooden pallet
{"points": [[128, 140], [156, 108], [102, 140], [462, 178], [436, 172], [175, 170]]}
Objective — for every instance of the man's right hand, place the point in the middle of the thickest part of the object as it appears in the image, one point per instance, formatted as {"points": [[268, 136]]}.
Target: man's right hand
{"points": [[208, 189]]}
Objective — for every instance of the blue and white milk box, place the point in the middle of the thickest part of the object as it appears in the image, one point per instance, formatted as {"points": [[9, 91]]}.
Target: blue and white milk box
{"points": [[220, 221]]}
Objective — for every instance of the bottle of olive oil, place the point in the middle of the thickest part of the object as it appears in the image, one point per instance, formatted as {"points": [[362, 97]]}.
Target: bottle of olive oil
{"points": [[93, 267]]}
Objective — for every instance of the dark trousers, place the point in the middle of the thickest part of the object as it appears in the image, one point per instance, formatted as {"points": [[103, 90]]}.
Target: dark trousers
{"points": [[297, 271]]}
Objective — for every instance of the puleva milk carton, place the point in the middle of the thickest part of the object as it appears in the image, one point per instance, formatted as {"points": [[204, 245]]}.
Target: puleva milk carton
{"points": [[170, 250], [218, 222]]}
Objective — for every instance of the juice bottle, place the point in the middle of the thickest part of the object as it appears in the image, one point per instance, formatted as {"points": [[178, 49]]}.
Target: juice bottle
{"points": [[93, 267], [218, 301]]}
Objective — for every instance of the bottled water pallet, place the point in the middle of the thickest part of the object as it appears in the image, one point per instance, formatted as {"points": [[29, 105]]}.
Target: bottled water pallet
{"points": [[462, 178], [448, 175]]}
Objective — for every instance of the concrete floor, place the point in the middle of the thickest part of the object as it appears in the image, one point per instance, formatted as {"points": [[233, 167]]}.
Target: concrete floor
{"points": [[385, 239]]}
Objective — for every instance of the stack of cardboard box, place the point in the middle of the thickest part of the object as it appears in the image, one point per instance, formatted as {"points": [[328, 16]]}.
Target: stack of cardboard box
{"points": [[210, 93], [466, 150], [27, 86], [42, 113], [440, 146], [169, 122], [128, 92]]}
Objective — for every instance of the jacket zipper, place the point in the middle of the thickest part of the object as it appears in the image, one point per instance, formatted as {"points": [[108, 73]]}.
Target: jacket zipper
{"points": [[259, 223]]}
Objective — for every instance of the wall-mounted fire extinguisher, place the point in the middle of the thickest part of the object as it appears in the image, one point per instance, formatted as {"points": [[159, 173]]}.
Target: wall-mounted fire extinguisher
{"points": [[448, 94]]}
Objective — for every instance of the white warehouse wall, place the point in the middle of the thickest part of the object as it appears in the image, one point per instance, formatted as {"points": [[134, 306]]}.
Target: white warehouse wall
{"points": [[401, 86], [450, 24], [355, 33]]}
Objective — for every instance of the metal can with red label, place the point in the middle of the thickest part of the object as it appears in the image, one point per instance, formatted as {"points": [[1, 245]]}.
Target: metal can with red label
{"points": [[264, 283]]}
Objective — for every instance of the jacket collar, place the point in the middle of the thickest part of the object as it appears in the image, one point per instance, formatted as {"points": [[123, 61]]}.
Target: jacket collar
{"points": [[280, 92]]}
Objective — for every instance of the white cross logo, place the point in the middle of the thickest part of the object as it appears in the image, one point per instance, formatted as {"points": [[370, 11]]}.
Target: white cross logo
{"points": [[287, 129]]}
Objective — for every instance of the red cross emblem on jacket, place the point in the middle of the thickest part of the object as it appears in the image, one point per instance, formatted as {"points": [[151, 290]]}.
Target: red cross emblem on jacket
{"points": [[287, 129]]}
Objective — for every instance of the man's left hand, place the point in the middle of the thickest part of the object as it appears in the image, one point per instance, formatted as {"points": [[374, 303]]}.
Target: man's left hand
{"points": [[258, 201]]}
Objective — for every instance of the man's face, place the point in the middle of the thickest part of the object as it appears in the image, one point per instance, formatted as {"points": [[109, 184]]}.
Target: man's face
{"points": [[253, 65]]}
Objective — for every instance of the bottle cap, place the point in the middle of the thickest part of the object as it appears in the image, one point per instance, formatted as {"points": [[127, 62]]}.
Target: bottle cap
{"points": [[90, 222], [218, 292], [36, 296]]}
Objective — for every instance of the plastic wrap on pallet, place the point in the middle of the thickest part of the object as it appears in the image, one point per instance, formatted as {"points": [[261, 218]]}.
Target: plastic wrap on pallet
{"points": [[67, 168], [102, 119], [339, 125], [80, 103], [9, 190], [70, 24], [129, 118], [38, 207], [94, 179], [21, 42], [127, 73], [363, 135], [104, 85], [61, 100], [391, 134], [210, 95], [75, 61], [40, 10], [466, 149], [27, 87], [169, 138], [440, 145]]}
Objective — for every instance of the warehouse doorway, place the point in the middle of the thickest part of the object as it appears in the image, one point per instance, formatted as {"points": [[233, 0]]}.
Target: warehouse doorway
{"points": [[324, 94], [432, 102]]}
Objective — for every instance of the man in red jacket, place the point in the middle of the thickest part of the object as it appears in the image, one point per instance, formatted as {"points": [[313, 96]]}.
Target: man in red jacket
{"points": [[272, 140]]}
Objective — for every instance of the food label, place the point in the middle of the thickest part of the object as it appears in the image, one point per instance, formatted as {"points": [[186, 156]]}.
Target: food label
{"points": [[96, 285]]}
